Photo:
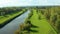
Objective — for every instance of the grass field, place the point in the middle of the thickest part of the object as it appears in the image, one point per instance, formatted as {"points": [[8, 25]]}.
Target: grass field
{"points": [[8, 17], [43, 25]]}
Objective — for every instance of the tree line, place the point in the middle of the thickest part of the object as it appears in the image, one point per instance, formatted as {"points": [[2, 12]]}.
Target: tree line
{"points": [[52, 14], [9, 10]]}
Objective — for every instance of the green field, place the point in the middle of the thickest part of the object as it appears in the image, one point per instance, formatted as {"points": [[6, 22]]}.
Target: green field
{"points": [[43, 25], [9, 16]]}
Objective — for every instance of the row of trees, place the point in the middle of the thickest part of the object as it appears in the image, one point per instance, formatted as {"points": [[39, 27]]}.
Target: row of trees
{"points": [[52, 14], [10, 10]]}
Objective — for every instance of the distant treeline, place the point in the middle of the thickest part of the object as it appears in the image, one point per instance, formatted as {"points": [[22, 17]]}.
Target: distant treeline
{"points": [[9, 10]]}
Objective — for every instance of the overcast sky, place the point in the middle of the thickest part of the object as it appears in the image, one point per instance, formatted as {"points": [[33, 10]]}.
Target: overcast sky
{"points": [[7, 3]]}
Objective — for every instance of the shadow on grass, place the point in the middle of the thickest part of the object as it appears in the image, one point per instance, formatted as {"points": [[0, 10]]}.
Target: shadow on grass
{"points": [[30, 30], [33, 31], [34, 26]]}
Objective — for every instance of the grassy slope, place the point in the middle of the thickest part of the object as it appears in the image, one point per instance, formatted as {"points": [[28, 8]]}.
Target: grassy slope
{"points": [[3, 19], [43, 26]]}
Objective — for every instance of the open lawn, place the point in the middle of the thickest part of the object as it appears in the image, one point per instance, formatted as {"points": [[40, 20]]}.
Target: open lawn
{"points": [[43, 25]]}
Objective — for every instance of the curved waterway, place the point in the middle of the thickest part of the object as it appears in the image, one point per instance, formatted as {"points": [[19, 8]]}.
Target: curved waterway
{"points": [[11, 27]]}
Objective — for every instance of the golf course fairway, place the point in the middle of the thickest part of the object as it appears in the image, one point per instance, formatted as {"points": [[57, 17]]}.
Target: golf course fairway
{"points": [[43, 25]]}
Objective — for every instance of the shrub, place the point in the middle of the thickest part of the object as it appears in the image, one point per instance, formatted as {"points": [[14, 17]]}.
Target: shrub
{"points": [[17, 32], [42, 11], [54, 19], [58, 27]]}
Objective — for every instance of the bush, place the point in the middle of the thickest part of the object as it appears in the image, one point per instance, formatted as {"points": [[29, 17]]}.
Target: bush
{"points": [[30, 15], [42, 11], [58, 27], [17, 32], [54, 19], [48, 16]]}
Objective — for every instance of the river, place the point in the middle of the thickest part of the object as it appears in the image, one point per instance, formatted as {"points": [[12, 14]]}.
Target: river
{"points": [[11, 27]]}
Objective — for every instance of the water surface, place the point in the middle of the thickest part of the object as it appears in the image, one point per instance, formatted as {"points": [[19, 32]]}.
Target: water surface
{"points": [[11, 27]]}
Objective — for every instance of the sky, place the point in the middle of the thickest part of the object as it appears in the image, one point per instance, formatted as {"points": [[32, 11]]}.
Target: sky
{"points": [[9, 3]]}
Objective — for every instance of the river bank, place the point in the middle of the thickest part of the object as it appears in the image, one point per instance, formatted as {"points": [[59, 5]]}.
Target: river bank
{"points": [[10, 18], [12, 26], [38, 24]]}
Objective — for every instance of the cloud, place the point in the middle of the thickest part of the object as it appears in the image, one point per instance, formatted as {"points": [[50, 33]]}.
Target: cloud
{"points": [[54, 2], [6, 3]]}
